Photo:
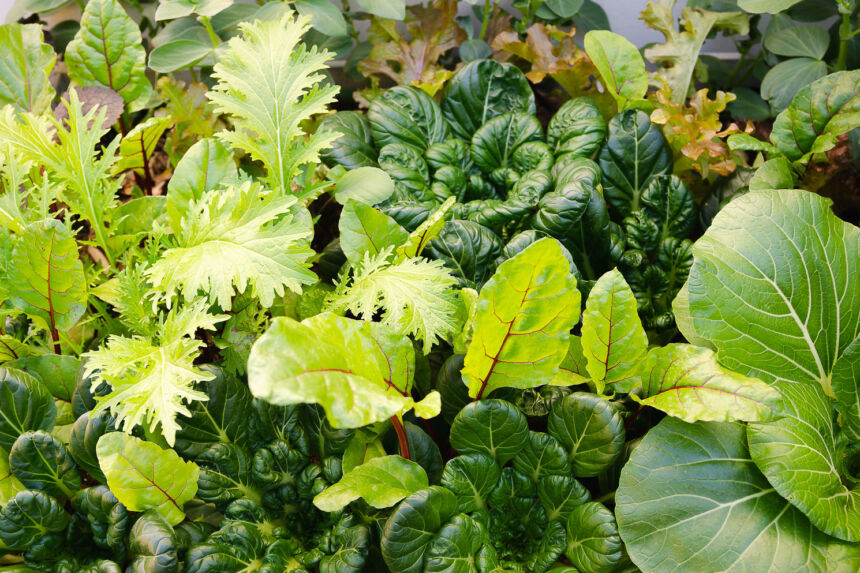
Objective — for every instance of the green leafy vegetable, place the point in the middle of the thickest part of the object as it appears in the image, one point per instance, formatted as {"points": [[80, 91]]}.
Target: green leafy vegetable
{"points": [[26, 68], [381, 482]]}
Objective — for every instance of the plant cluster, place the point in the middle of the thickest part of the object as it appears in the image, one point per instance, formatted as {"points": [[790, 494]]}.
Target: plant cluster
{"points": [[466, 328]]}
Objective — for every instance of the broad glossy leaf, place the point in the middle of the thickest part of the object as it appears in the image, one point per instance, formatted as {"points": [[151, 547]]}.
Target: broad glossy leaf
{"points": [[845, 382], [687, 382], [144, 476], [152, 545], [577, 128], [620, 65], [494, 143], [30, 516], [428, 230], [800, 457], [525, 313], [463, 541], [179, 54], [368, 185], [41, 462], [324, 16], [482, 90], [784, 81], [766, 6], [559, 495], [821, 111], [381, 482], [472, 477], [573, 369], [776, 173], [46, 278], [635, 153], [364, 229], [108, 519], [593, 543], [27, 63], [493, 427], [25, 404], [332, 361], [799, 41], [542, 456], [467, 248], [591, 430], [86, 432], [354, 147], [413, 525], [205, 166], [107, 52], [404, 114], [394, 9], [691, 499], [58, 372], [138, 145], [613, 340]]}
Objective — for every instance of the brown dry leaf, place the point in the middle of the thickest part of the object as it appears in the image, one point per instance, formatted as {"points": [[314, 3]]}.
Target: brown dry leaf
{"points": [[695, 132], [414, 59], [553, 52]]}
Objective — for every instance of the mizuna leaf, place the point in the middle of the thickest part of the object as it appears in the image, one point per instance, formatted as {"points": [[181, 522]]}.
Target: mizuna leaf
{"points": [[27, 62], [620, 65], [381, 482], [613, 340], [687, 382], [522, 328], [819, 113], [143, 476], [270, 83], [335, 362], [691, 499], [107, 52], [415, 296], [151, 380], [364, 229], [237, 238], [136, 148], [45, 277]]}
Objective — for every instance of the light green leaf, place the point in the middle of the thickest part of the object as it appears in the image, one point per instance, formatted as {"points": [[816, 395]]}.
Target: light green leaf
{"points": [[172, 9], [821, 111], [381, 482], [800, 457], [620, 64], [368, 185], [11, 348], [143, 476], [573, 369], [25, 67], [846, 388], [776, 173], [234, 239], [687, 382], [138, 145], [613, 340], [45, 277], [335, 362], [749, 143], [804, 41], [324, 16], [766, 6], [690, 499], [269, 85], [679, 55], [394, 9], [107, 52], [426, 231], [415, 296], [364, 229], [179, 55], [784, 81], [9, 484], [522, 327]]}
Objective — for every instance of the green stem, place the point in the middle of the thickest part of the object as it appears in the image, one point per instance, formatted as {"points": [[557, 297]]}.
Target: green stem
{"points": [[845, 33], [486, 21], [213, 37], [610, 496]]}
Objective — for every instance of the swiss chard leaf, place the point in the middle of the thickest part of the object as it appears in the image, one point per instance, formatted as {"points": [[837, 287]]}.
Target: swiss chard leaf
{"points": [[381, 482], [525, 313], [26, 65], [364, 229], [620, 65]]}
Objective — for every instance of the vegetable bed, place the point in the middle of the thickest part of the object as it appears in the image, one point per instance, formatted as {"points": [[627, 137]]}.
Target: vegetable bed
{"points": [[525, 303]]}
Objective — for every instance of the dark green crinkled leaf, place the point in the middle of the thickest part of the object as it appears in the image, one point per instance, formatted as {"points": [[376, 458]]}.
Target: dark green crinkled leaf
{"points": [[25, 404], [482, 90], [463, 541], [559, 495], [668, 203], [58, 372], [469, 249], [152, 546], [41, 462], [577, 128], [108, 519], [422, 449], [542, 456], [450, 385], [404, 114], [29, 517], [593, 543], [492, 427], [495, 142], [355, 147], [225, 474], [690, 499], [472, 477], [635, 153], [560, 211], [413, 525], [590, 429], [86, 432]]}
